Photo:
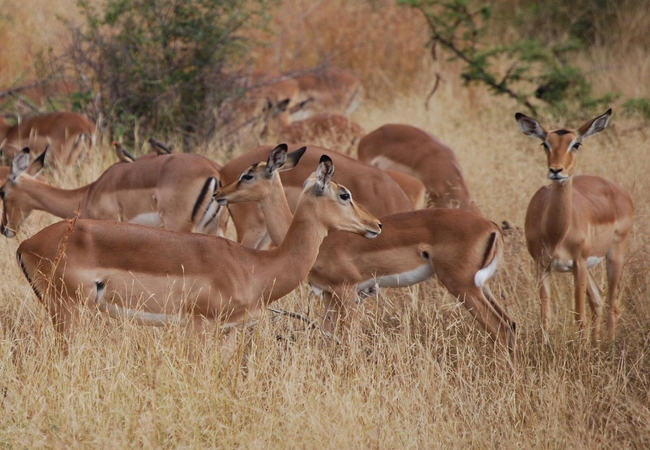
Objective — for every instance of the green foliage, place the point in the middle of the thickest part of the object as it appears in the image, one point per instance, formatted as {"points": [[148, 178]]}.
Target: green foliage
{"points": [[537, 75], [638, 107], [163, 64]]}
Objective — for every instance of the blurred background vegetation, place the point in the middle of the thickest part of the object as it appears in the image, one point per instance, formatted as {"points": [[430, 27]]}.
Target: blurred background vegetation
{"points": [[167, 65]]}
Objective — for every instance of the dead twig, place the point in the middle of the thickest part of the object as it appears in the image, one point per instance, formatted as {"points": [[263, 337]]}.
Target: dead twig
{"points": [[310, 323]]}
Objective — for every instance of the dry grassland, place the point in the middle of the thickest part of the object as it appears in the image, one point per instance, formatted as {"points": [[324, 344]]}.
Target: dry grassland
{"points": [[417, 373]]}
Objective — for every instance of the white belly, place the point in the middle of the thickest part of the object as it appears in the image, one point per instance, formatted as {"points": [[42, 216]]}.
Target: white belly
{"points": [[567, 266], [422, 273], [149, 219]]}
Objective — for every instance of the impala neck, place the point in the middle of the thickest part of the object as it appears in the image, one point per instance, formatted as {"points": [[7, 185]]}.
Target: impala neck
{"points": [[557, 217], [290, 263], [59, 202], [277, 213]]}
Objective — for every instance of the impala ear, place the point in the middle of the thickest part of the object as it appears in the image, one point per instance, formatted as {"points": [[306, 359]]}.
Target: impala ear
{"points": [[36, 167], [283, 105], [293, 159], [324, 174], [277, 158], [530, 127], [19, 164], [595, 126]]}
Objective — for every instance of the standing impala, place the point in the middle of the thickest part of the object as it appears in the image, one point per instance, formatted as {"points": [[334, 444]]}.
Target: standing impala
{"points": [[461, 248], [170, 191], [65, 132], [158, 276], [372, 188], [575, 222], [413, 151]]}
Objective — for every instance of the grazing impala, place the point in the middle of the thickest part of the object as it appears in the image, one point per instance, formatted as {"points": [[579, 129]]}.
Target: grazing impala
{"points": [[65, 132], [328, 90], [172, 191], [461, 248], [158, 276], [575, 222], [372, 188], [325, 129], [410, 150]]}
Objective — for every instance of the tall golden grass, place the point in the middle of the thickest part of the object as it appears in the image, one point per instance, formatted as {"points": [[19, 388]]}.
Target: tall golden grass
{"points": [[416, 374]]}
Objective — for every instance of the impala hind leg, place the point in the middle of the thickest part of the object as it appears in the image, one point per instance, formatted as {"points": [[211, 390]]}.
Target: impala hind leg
{"points": [[492, 316], [615, 260], [596, 304]]}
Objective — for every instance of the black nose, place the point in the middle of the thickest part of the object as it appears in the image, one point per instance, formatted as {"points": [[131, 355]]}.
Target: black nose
{"points": [[380, 225], [555, 171]]}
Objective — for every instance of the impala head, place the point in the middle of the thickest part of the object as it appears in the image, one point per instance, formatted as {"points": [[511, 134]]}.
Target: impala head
{"points": [[333, 203], [255, 184], [562, 145], [16, 203]]}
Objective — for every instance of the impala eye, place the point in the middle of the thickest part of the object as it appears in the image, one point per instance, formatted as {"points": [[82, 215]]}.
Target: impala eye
{"points": [[545, 146], [344, 196], [246, 177], [2, 194], [577, 145]]}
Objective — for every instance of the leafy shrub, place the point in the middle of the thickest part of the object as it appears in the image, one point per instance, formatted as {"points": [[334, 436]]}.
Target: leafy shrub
{"points": [[162, 65], [536, 72]]}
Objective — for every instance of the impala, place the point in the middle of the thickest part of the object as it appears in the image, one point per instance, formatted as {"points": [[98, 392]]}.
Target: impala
{"points": [[172, 191], [372, 188], [326, 129], [158, 276], [66, 133], [414, 189], [413, 151], [575, 222], [461, 248], [327, 90]]}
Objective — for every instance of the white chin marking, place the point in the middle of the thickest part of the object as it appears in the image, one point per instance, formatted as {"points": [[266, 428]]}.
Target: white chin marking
{"points": [[424, 272], [149, 219]]}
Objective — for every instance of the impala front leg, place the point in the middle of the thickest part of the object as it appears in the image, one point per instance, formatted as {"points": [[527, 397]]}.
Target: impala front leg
{"points": [[580, 280], [544, 282], [340, 310]]}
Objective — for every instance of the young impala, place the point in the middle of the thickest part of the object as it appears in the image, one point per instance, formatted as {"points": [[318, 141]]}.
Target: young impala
{"points": [[461, 248], [575, 222], [156, 276]]}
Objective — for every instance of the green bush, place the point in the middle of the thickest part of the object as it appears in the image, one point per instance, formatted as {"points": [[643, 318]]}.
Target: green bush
{"points": [[162, 65]]}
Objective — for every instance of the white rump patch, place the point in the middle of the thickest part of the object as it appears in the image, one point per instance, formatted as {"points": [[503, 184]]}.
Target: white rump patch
{"points": [[422, 273], [148, 219], [483, 275]]}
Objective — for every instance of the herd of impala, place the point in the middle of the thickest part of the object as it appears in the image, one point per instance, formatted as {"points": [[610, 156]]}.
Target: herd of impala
{"points": [[146, 240]]}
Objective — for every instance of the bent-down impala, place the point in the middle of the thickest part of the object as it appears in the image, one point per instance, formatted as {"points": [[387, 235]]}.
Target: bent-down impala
{"points": [[156, 276], [575, 222], [461, 248], [169, 191]]}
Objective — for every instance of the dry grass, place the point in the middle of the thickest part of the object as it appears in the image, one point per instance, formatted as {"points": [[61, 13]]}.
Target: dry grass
{"points": [[418, 372]]}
